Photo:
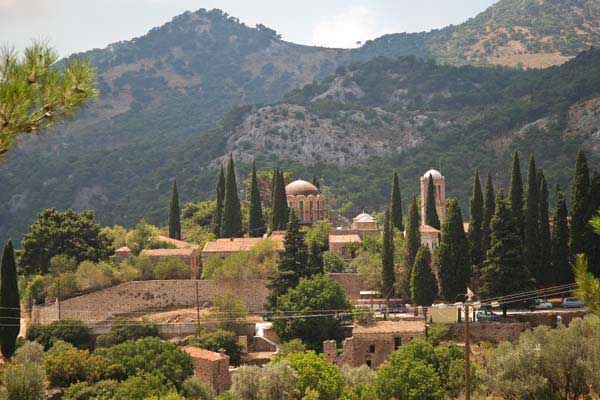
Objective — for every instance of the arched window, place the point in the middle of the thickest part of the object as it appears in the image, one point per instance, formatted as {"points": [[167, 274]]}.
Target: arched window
{"points": [[310, 208], [301, 210]]}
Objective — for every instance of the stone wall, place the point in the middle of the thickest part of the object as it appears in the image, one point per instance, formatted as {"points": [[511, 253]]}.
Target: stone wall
{"points": [[351, 283], [548, 317], [150, 295], [494, 332]]}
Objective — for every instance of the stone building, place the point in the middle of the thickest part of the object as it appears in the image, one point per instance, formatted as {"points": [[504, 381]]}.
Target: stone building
{"points": [[225, 247], [366, 225], [370, 345], [344, 243], [439, 182], [212, 368], [189, 256], [306, 200]]}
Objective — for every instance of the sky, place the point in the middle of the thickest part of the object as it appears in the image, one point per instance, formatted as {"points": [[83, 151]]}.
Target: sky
{"points": [[78, 25]]}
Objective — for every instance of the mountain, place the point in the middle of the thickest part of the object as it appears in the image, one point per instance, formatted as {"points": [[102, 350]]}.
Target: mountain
{"points": [[163, 94]]}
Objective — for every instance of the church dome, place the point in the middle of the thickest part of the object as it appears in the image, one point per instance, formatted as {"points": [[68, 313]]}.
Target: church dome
{"points": [[435, 174], [364, 217], [301, 187]]}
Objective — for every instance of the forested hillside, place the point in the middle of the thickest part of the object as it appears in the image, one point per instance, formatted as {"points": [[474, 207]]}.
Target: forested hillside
{"points": [[163, 93]]}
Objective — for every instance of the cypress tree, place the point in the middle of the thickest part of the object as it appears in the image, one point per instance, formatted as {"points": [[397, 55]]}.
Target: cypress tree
{"points": [[412, 241], [316, 182], [503, 272], [218, 214], [279, 215], [454, 265], [488, 211], [315, 259], [423, 285], [476, 225], [388, 275], [431, 216], [232, 213], [531, 244], [515, 196], [174, 214], [256, 222], [545, 238], [283, 199], [396, 204], [10, 312], [561, 265], [593, 244], [292, 262], [580, 206]]}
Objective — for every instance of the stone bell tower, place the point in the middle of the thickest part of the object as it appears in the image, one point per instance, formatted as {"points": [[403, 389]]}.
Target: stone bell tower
{"points": [[439, 183]]}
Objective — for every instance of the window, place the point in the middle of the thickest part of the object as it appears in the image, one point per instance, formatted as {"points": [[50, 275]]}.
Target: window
{"points": [[368, 362], [397, 342], [372, 348]]}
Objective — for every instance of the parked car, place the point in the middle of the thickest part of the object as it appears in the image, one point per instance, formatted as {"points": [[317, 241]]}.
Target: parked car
{"points": [[486, 315], [540, 304], [571, 302]]}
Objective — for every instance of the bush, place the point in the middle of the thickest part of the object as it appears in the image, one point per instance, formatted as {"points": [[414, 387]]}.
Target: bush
{"points": [[220, 339], [258, 263], [70, 331], [150, 355], [290, 347], [364, 315], [103, 390], [122, 331], [230, 307], [195, 389], [35, 291], [171, 268], [29, 353], [437, 332], [68, 287], [22, 382], [93, 276], [333, 263], [317, 373], [143, 386]]}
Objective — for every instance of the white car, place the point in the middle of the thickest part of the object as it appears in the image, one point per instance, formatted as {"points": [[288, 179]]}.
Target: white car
{"points": [[541, 304], [572, 302]]}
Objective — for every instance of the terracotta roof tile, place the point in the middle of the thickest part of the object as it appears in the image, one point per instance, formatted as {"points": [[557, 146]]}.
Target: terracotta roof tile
{"points": [[236, 245], [390, 327], [180, 244], [168, 252], [196, 352], [350, 238], [428, 228]]}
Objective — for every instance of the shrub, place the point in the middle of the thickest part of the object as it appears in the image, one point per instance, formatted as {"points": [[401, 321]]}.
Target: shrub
{"points": [[143, 386], [68, 287], [35, 291], [220, 339], [317, 373], [230, 307], [92, 276], [22, 382], [364, 315], [103, 390], [333, 263], [437, 332], [359, 382], [292, 346], [195, 389], [258, 263], [70, 331], [171, 268], [122, 331], [150, 355], [29, 353]]}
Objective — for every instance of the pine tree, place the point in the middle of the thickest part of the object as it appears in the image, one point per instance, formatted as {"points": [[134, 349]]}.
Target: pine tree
{"points": [[503, 272], [292, 262], [580, 206], [454, 265], [218, 214], [431, 216], [531, 244], [593, 244], [561, 264], [396, 204], [545, 239], [174, 214], [256, 222], [10, 312], [515, 196], [388, 275], [476, 225], [423, 285], [232, 212], [488, 211], [279, 214], [412, 241], [315, 259]]}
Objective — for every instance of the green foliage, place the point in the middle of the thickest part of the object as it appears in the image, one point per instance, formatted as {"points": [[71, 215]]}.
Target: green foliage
{"points": [[515, 196], [218, 213], [36, 95], [22, 382], [545, 236], [230, 309], [333, 263], [274, 381], [396, 205], [368, 265], [488, 212], [256, 224], [503, 272], [68, 232], [291, 346], [454, 266], [141, 236], [580, 190], [531, 237], [102, 390], [318, 235], [547, 363], [117, 235], [144, 386], [437, 332], [220, 339], [71, 331], [388, 270], [475, 234], [29, 353], [280, 213], [195, 389], [258, 263], [359, 383], [431, 216], [316, 373], [231, 225], [123, 330], [150, 355], [174, 214], [423, 284], [311, 295], [413, 236], [292, 262], [171, 268], [363, 315], [561, 263], [10, 306], [588, 286]]}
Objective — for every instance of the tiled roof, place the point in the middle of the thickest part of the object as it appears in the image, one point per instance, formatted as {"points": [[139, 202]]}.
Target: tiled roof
{"points": [[239, 244], [167, 252], [196, 352], [180, 244], [348, 238], [428, 228], [123, 249], [390, 327]]}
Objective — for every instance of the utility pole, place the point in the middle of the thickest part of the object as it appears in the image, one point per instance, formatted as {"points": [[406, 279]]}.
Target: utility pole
{"points": [[58, 295], [197, 306], [467, 355]]}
